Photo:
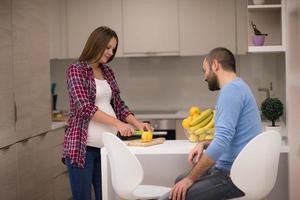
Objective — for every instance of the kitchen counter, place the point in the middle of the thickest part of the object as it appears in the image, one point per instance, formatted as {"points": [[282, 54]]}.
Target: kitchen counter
{"points": [[56, 125]]}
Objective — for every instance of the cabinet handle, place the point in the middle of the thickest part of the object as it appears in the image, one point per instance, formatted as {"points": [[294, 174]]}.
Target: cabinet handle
{"points": [[16, 113], [5, 148], [25, 140]]}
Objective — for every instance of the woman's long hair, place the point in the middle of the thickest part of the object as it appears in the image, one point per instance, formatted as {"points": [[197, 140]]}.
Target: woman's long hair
{"points": [[97, 43]]}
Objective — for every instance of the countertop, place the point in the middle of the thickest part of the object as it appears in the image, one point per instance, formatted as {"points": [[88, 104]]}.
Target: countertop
{"points": [[56, 125], [179, 147]]}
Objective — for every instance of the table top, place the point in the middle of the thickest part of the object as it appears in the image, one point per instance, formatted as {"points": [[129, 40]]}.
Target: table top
{"points": [[177, 147], [168, 147]]}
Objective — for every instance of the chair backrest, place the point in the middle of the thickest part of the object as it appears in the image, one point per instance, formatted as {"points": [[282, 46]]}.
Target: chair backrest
{"points": [[126, 170], [254, 170]]}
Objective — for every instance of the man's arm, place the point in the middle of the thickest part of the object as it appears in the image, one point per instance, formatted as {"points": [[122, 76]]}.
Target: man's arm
{"points": [[196, 152], [200, 168]]}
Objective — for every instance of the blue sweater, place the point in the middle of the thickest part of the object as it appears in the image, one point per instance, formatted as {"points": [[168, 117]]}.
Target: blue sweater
{"points": [[237, 121]]}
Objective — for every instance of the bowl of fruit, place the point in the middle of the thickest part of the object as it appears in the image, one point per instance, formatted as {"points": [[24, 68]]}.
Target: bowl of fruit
{"points": [[199, 125]]}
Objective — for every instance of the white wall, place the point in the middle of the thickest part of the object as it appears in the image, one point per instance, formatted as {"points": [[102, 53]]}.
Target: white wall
{"points": [[293, 95], [175, 83]]}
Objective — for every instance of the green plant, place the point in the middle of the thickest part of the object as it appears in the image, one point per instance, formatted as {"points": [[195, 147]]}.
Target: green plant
{"points": [[272, 109], [256, 31]]}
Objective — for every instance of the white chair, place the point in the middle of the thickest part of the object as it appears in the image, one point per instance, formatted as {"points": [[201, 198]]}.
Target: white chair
{"points": [[127, 172], [254, 170]]}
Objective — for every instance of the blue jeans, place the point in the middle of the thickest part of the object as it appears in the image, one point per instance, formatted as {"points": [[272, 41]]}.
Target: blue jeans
{"points": [[214, 185], [82, 179]]}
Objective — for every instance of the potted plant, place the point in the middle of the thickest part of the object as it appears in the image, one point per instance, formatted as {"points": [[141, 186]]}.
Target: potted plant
{"points": [[272, 109], [258, 38]]}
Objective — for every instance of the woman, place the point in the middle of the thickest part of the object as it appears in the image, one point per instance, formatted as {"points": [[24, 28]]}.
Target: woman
{"points": [[95, 107]]}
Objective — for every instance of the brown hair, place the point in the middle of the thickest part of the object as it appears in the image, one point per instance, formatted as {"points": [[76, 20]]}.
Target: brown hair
{"points": [[96, 44], [224, 56]]}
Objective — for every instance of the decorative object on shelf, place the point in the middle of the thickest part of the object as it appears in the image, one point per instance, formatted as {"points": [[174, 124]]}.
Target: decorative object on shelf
{"points": [[258, 2], [258, 38], [54, 96], [272, 109]]}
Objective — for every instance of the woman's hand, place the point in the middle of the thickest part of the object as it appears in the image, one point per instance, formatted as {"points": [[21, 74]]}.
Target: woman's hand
{"points": [[196, 153], [144, 126], [125, 129]]}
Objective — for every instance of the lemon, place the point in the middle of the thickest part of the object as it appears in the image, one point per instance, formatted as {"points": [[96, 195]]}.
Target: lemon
{"points": [[194, 116], [186, 123], [194, 110], [146, 136]]}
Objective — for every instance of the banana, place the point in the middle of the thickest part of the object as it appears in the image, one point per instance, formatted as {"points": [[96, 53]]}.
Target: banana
{"points": [[201, 137], [193, 138], [201, 117], [208, 137], [207, 127], [202, 123], [211, 131]]}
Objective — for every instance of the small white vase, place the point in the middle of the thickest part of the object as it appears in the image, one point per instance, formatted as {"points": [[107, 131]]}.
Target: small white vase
{"points": [[258, 2]]}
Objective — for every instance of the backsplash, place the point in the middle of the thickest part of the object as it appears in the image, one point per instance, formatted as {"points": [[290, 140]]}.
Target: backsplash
{"points": [[176, 83]]}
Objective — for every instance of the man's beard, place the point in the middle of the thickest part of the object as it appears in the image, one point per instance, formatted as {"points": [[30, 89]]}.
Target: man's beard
{"points": [[213, 82]]}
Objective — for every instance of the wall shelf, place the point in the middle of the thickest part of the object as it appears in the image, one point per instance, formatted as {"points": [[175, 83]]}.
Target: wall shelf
{"points": [[268, 6], [261, 49], [269, 19]]}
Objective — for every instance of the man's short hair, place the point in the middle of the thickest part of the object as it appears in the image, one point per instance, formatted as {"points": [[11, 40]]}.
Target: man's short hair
{"points": [[224, 56]]}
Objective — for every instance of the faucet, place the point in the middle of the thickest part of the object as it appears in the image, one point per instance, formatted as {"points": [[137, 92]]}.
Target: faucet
{"points": [[267, 90]]}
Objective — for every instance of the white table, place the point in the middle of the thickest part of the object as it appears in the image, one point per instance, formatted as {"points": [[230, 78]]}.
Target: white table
{"points": [[161, 163]]}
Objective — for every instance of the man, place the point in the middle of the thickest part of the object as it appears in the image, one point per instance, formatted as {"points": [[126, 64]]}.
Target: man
{"points": [[237, 121]]}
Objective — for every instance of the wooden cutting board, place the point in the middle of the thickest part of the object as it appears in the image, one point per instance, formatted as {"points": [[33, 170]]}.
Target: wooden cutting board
{"points": [[139, 143]]}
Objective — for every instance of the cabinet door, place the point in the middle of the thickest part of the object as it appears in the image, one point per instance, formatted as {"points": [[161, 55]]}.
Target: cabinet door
{"points": [[150, 27], [8, 173], [27, 168], [62, 190], [242, 26], [7, 118], [31, 67], [206, 24], [57, 29], [85, 16]]}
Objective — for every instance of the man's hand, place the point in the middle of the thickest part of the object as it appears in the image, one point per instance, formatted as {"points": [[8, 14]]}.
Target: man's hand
{"points": [[178, 192], [195, 153]]}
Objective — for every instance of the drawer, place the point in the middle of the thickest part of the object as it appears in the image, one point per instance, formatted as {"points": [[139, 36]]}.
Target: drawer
{"points": [[8, 173], [62, 190]]}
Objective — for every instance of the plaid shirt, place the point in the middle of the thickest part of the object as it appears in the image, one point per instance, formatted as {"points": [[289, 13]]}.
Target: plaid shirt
{"points": [[82, 93]]}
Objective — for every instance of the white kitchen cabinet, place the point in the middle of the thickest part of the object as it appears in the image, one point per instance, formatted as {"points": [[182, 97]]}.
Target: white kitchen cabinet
{"points": [[269, 18], [8, 173], [85, 16], [39, 166], [150, 27], [57, 10], [7, 117], [206, 24], [62, 190], [25, 72], [31, 67]]}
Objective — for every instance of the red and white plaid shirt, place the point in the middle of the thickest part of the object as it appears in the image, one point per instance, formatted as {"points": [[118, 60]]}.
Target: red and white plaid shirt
{"points": [[82, 94]]}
